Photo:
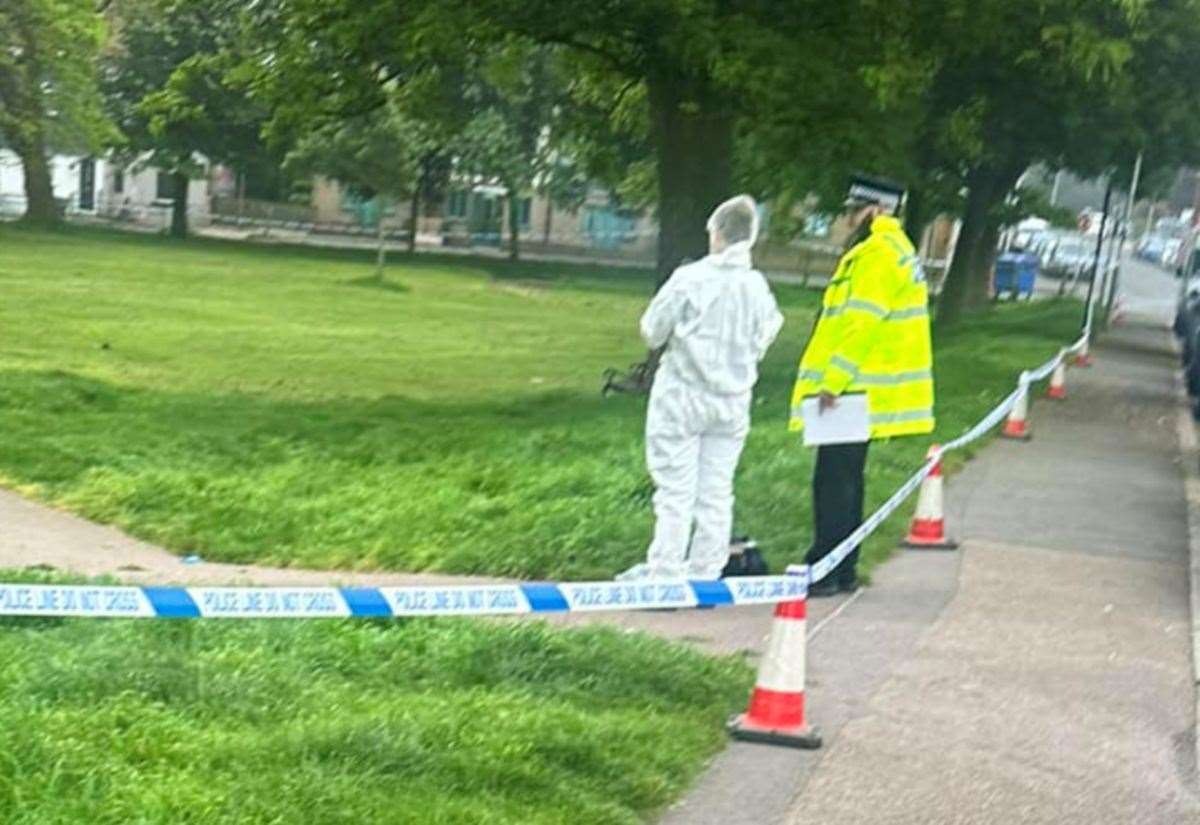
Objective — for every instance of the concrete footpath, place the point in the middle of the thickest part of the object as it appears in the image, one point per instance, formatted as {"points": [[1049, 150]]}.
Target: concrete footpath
{"points": [[1043, 674]]}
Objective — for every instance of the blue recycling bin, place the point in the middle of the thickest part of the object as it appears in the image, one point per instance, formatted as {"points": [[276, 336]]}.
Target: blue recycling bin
{"points": [[1016, 274]]}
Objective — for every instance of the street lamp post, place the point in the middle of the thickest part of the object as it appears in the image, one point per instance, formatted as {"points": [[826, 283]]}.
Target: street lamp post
{"points": [[1087, 308], [1116, 274]]}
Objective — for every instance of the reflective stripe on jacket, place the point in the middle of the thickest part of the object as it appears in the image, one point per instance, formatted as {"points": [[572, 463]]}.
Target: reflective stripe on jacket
{"points": [[873, 336]]}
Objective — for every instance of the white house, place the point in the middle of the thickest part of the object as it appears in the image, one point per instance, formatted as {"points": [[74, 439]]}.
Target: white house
{"points": [[69, 177], [88, 185]]}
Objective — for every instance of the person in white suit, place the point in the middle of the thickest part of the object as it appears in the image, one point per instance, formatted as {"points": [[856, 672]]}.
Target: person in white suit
{"points": [[717, 317]]}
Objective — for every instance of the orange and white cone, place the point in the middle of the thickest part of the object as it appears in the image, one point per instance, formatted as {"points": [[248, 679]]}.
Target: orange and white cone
{"points": [[1016, 426], [1084, 357], [928, 529], [776, 712], [1058, 382]]}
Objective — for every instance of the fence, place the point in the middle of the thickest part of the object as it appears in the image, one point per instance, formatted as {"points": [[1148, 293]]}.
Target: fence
{"points": [[805, 259]]}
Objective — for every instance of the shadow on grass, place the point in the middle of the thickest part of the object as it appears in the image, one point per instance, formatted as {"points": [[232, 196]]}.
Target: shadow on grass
{"points": [[325, 425], [377, 283], [513, 486]]}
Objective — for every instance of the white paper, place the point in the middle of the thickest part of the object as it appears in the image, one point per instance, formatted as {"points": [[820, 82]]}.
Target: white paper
{"points": [[847, 423]]}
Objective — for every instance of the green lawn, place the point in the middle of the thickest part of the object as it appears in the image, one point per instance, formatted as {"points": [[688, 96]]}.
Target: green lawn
{"points": [[272, 405], [419, 722]]}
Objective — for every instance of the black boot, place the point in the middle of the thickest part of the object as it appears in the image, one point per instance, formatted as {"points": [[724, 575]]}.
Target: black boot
{"points": [[826, 587], [832, 585]]}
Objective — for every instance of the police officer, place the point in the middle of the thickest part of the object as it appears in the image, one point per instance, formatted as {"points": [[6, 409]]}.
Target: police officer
{"points": [[872, 337]]}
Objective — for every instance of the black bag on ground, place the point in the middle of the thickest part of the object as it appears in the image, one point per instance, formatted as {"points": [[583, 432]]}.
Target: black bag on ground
{"points": [[745, 559]]}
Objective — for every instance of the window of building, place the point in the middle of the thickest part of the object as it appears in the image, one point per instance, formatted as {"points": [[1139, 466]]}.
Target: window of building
{"points": [[607, 227], [524, 210], [456, 204], [164, 187], [487, 209], [119, 181]]}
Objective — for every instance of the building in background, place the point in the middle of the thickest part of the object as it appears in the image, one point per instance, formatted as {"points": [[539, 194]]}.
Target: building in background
{"points": [[86, 185], [75, 180], [476, 215]]}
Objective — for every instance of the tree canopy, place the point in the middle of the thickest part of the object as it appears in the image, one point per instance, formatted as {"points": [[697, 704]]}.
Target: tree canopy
{"points": [[169, 84], [673, 104], [48, 95]]}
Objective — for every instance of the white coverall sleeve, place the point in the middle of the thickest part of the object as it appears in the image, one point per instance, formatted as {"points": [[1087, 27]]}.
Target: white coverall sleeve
{"points": [[770, 321], [662, 314]]}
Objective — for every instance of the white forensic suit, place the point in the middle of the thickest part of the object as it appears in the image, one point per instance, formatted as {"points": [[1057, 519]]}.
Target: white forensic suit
{"points": [[717, 317]]}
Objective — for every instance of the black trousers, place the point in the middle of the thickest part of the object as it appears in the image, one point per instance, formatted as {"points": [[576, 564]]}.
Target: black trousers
{"points": [[838, 484]]}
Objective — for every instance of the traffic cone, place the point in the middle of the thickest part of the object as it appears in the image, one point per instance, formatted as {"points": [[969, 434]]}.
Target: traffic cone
{"points": [[776, 712], [1016, 426], [1058, 382], [1084, 358], [928, 529]]}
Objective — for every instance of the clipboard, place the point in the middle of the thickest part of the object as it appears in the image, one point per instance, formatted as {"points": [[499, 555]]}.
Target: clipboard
{"points": [[847, 423]]}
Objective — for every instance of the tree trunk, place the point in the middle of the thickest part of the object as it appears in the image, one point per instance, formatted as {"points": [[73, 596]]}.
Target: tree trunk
{"points": [[24, 101], [915, 217], [514, 226], [414, 216], [380, 240], [953, 299], [979, 290], [967, 286], [549, 218], [179, 206], [693, 135], [40, 207]]}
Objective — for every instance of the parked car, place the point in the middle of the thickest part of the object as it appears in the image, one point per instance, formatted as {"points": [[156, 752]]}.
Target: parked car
{"points": [[1152, 248], [1187, 329], [1070, 256], [1170, 253], [1186, 261]]}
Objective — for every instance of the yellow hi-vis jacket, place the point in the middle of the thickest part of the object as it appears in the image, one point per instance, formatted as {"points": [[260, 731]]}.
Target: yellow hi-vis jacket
{"points": [[873, 336]]}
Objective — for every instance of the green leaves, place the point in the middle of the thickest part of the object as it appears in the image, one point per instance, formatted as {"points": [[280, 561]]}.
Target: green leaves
{"points": [[379, 153], [173, 88], [1085, 50], [47, 79]]}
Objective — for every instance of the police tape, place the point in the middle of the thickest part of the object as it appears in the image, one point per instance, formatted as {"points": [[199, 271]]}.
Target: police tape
{"points": [[244, 602], [122, 601]]}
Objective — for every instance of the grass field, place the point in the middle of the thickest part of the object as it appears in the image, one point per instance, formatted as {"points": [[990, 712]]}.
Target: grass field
{"points": [[418, 722], [273, 405]]}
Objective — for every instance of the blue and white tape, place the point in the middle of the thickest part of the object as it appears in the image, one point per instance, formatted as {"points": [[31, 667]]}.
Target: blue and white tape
{"points": [[119, 601]]}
